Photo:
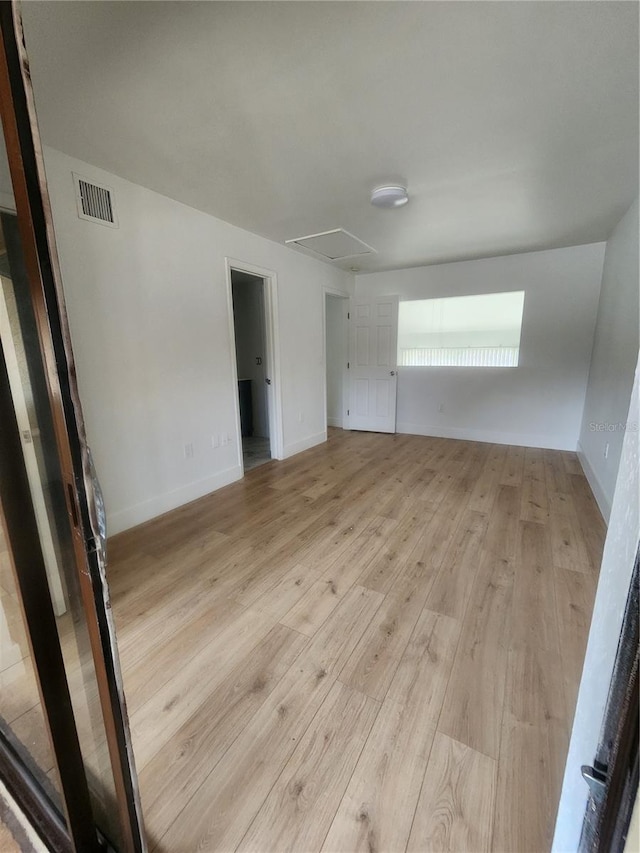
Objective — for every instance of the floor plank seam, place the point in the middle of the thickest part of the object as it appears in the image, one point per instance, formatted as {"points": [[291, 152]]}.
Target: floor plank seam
{"points": [[449, 503], [355, 765], [424, 778], [223, 754]]}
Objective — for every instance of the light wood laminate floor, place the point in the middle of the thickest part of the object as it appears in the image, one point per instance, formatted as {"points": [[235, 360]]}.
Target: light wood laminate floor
{"points": [[373, 646]]}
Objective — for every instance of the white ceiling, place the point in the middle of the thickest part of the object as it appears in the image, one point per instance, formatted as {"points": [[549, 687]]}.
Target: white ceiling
{"points": [[513, 124]]}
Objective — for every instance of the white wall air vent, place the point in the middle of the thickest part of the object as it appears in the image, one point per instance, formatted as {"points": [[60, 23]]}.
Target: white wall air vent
{"points": [[335, 245], [95, 203]]}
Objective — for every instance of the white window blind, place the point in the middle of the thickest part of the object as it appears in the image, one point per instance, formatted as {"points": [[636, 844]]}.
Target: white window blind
{"points": [[459, 357], [461, 331]]}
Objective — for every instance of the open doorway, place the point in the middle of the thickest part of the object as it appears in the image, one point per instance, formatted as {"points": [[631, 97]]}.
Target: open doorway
{"points": [[248, 300], [336, 348]]}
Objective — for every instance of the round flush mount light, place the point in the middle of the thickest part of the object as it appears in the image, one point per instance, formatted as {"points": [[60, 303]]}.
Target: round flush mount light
{"points": [[389, 196]]}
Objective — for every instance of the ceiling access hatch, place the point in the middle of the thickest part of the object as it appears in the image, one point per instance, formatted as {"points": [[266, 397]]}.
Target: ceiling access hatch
{"points": [[335, 245]]}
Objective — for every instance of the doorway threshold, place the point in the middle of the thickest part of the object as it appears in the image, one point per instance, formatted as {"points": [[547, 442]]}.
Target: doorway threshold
{"points": [[255, 451]]}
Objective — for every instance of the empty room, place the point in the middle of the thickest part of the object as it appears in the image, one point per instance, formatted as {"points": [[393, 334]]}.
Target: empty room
{"points": [[319, 415]]}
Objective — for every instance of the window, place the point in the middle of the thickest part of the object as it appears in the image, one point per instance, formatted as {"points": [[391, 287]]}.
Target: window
{"points": [[461, 331]]}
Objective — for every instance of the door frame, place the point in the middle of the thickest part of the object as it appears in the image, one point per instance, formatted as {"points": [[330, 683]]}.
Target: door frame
{"points": [[613, 777], [82, 496], [329, 291], [272, 354], [375, 299], [31, 462], [28, 568]]}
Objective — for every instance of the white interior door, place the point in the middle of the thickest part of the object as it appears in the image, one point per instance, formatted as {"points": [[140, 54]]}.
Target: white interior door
{"points": [[373, 347]]}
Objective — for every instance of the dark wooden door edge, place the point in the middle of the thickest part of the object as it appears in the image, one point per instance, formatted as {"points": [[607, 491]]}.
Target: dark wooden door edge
{"points": [[34, 218], [27, 561], [616, 763]]}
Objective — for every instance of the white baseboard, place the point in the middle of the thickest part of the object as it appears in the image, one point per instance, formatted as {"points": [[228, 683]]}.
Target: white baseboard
{"points": [[596, 486], [131, 516], [491, 436], [334, 422], [305, 444]]}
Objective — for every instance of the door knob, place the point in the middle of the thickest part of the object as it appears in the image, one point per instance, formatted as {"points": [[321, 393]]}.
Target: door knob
{"points": [[392, 373], [268, 381]]}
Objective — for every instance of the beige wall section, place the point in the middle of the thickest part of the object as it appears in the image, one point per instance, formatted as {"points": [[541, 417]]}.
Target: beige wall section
{"points": [[613, 361], [148, 312]]}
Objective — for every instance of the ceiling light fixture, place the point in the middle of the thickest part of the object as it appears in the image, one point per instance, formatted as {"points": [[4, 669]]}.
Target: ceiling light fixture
{"points": [[389, 196]]}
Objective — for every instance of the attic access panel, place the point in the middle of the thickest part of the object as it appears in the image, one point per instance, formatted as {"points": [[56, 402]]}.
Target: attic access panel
{"points": [[335, 245]]}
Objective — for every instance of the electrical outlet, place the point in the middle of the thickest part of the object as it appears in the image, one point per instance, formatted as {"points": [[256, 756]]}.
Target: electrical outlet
{"points": [[606, 450], [215, 442], [300, 417], [224, 439], [188, 450], [441, 407]]}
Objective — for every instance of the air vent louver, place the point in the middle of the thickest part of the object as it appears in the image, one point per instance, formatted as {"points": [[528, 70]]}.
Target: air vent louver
{"points": [[95, 202]]}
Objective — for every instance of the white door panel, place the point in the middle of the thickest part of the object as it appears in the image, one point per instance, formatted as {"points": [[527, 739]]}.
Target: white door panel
{"points": [[373, 343]]}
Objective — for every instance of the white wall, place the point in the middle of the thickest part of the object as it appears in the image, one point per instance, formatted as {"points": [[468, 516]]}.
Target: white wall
{"points": [[615, 576], [537, 404], [336, 359], [149, 321], [248, 315], [615, 351]]}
